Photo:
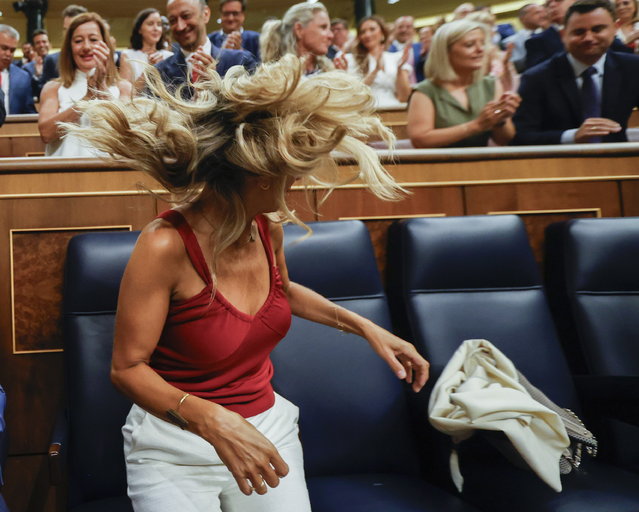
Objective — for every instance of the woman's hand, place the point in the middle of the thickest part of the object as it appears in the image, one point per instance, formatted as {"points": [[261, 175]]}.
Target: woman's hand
{"points": [[253, 460], [155, 57], [400, 355], [96, 78], [340, 62], [495, 113]]}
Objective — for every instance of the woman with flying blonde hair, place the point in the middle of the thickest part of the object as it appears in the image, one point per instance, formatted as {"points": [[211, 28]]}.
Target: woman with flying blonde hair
{"points": [[458, 105], [87, 71], [305, 31], [206, 294]]}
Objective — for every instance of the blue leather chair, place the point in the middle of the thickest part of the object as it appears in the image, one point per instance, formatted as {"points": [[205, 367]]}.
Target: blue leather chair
{"points": [[592, 274], [360, 453], [475, 277], [88, 433], [4, 446]]}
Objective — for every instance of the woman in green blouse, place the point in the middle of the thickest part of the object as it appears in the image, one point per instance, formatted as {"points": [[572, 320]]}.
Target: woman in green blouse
{"points": [[458, 105]]}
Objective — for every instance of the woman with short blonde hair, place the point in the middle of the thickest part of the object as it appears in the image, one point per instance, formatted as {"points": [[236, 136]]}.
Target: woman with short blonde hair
{"points": [[457, 104]]}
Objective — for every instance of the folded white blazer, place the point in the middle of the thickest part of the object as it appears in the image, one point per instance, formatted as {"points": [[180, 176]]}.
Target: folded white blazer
{"points": [[479, 390]]}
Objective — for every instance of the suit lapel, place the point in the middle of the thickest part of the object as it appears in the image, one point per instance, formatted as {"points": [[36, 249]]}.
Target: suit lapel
{"points": [[610, 86], [568, 85]]}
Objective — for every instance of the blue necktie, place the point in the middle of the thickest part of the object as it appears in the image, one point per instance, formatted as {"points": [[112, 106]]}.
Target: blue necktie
{"points": [[590, 101]]}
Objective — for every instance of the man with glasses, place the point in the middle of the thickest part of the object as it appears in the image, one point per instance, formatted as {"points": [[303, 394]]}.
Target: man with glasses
{"points": [[232, 35]]}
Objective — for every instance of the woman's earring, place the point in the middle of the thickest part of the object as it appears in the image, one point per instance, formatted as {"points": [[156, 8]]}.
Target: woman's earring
{"points": [[265, 186]]}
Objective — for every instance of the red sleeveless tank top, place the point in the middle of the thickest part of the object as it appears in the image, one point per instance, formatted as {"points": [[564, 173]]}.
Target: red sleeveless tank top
{"points": [[214, 351]]}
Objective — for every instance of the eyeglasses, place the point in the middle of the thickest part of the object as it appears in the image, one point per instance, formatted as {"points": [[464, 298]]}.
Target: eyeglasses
{"points": [[226, 14]]}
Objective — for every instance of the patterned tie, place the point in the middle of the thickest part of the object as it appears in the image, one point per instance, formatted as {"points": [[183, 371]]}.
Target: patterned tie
{"points": [[590, 101]]}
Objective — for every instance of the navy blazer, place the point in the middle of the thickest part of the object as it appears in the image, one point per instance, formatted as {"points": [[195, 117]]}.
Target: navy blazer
{"points": [[541, 47], [420, 60], [250, 41], [36, 82], [550, 99], [20, 92], [50, 67], [174, 69]]}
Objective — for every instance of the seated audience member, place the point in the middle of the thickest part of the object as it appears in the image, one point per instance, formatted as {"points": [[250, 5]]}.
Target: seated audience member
{"points": [[50, 66], [14, 81], [463, 10], [627, 23], [87, 71], [147, 46], [387, 74], [28, 54], [532, 17], [421, 50], [458, 105], [35, 68], [541, 47], [499, 64], [404, 34], [188, 19], [232, 35], [341, 38], [305, 31], [586, 94]]}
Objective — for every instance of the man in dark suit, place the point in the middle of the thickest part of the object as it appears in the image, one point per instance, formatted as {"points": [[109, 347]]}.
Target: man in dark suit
{"points": [[541, 47], [584, 95], [188, 19], [35, 68], [232, 36], [14, 81]]}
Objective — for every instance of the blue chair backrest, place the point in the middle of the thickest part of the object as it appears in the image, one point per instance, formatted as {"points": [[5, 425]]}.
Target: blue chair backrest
{"points": [[593, 274], [353, 412], [96, 410], [459, 278]]}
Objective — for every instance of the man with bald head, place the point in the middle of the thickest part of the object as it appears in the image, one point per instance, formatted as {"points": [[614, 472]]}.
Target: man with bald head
{"points": [[188, 19]]}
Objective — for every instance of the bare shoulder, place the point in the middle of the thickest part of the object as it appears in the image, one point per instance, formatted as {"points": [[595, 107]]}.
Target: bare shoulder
{"points": [[276, 232], [50, 88], [161, 240]]}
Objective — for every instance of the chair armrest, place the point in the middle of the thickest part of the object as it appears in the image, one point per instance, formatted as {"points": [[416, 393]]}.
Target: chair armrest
{"points": [[609, 396], [57, 448]]}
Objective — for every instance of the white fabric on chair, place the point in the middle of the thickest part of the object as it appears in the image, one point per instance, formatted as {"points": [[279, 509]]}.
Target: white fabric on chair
{"points": [[479, 390]]}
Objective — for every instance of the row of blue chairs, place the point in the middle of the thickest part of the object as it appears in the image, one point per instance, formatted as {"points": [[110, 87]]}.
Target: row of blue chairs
{"points": [[367, 441]]}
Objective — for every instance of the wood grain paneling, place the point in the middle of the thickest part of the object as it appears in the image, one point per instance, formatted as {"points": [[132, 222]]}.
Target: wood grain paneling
{"points": [[27, 487], [37, 271], [359, 203]]}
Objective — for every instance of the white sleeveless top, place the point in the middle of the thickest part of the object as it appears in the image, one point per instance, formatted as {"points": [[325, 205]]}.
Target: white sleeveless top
{"points": [[69, 145], [138, 59]]}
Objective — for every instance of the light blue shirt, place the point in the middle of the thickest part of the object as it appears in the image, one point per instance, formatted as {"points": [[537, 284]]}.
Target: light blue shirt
{"points": [[568, 137]]}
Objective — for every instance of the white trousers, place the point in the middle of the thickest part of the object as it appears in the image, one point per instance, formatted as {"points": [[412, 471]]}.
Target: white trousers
{"points": [[174, 470]]}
